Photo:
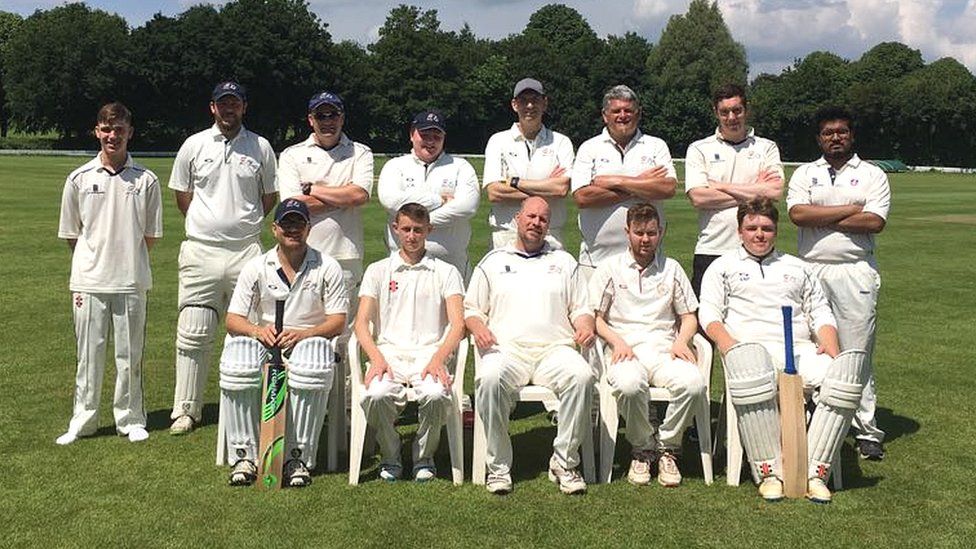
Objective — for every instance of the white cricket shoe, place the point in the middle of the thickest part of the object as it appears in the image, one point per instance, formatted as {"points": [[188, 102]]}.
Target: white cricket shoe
{"points": [[499, 484], [390, 472], [244, 473], [66, 438], [639, 472], [817, 490], [668, 474], [424, 471], [568, 480], [183, 425], [296, 474], [138, 434], [771, 489]]}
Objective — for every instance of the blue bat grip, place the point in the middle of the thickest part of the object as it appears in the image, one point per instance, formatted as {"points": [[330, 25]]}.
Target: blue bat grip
{"points": [[788, 339]]}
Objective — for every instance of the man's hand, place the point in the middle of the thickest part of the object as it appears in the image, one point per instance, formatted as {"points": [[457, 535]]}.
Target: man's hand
{"points": [[483, 337], [435, 368], [377, 369], [267, 335], [584, 335], [621, 353], [657, 172], [768, 176], [288, 338], [558, 171], [681, 351], [830, 350]]}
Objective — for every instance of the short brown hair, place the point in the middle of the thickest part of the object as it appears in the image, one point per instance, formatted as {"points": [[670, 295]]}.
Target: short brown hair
{"points": [[415, 212], [114, 111], [728, 91], [642, 213], [758, 206]]}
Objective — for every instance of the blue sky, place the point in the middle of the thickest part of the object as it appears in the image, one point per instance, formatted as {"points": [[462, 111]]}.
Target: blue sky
{"points": [[774, 32]]}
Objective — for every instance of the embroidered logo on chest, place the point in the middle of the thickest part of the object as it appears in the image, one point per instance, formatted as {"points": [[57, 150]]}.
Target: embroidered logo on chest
{"points": [[393, 286], [744, 277], [554, 269]]}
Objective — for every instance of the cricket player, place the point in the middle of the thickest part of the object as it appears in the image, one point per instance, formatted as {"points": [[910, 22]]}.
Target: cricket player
{"points": [[526, 160], [311, 284], [414, 303], [645, 310], [839, 202], [224, 180], [615, 170], [526, 307], [333, 176], [742, 293], [111, 215], [446, 185], [723, 170]]}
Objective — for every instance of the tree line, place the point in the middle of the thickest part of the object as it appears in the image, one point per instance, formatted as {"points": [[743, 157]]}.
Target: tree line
{"points": [[58, 66]]}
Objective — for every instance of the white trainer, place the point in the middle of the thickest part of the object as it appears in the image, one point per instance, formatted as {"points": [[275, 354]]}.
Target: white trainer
{"points": [[183, 425], [138, 434], [668, 474], [639, 472], [771, 489], [244, 473], [296, 474], [66, 439], [568, 480], [390, 472], [499, 484], [817, 490]]}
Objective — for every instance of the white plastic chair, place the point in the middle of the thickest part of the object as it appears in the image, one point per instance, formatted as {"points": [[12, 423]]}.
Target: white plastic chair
{"points": [[610, 418], [357, 436], [529, 393]]}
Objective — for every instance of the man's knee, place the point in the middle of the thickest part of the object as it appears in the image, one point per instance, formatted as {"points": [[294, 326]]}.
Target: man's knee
{"points": [[240, 364], [311, 365], [627, 381], [196, 327]]}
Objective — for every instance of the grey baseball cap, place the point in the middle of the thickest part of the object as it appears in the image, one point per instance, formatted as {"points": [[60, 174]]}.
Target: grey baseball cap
{"points": [[528, 84]]}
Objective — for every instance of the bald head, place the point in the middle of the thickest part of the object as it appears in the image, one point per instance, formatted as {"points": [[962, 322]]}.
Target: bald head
{"points": [[532, 224]]}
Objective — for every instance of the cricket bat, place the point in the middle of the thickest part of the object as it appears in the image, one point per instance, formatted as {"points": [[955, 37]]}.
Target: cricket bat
{"points": [[273, 399], [792, 417]]}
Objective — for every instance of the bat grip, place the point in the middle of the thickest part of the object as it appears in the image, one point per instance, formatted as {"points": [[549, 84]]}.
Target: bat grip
{"points": [[279, 325], [790, 368]]}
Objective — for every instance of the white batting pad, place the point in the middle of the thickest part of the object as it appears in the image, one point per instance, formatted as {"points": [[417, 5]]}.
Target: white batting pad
{"points": [[751, 380], [839, 397], [240, 397], [310, 376]]}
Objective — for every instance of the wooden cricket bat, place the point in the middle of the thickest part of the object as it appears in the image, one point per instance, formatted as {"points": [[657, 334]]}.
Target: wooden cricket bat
{"points": [[792, 417], [273, 404]]}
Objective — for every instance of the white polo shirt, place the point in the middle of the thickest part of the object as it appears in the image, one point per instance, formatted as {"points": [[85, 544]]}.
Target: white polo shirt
{"points": [[407, 179], [602, 228], [737, 163], [527, 300], [412, 311], [857, 182], [110, 215], [227, 179], [510, 154], [334, 232], [746, 295], [642, 305], [317, 291]]}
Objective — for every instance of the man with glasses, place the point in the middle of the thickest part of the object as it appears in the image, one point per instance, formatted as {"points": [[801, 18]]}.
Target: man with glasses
{"points": [[725, 169], [839, 202], [224, 179]]}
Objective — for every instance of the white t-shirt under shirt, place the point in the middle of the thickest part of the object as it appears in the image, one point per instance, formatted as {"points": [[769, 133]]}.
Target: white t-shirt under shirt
{"points": [[411, 312], [317, 290], [602, 228], [110, 215], [719, 160], [335, 232], [228, 179]]}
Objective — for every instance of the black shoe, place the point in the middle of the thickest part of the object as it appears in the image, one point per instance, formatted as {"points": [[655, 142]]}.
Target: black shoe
{"points": [[870, 449]]}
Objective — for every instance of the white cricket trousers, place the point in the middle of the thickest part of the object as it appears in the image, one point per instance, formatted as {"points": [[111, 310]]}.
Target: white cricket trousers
{"points": [[629, 383], [93, 314], [852, 289], [385, 398], [500, 375]]}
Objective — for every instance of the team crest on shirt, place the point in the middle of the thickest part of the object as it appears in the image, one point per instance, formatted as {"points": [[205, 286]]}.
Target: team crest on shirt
{"points": [[854, 182], [545, 152], [752, 155], [744, 277], [132, 189], [408, 182], [718, 157], [662, 289], [393, 286], [603, 160], [646, 160], [814, 182], [555, 269], [508, 270], [94, 189], [308, 285], [308, 159], [789, 279]]}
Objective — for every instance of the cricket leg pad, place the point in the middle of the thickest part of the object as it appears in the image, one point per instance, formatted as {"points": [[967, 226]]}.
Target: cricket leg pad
{"points": [[240, 396], [195, 331], [751, 381], [310, 377], [839, 397]]}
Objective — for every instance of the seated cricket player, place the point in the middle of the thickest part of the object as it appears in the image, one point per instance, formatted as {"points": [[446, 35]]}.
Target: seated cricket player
{"points": [[645, 310], [311, 284], [526, 307], [414, 302], [742, 292]]}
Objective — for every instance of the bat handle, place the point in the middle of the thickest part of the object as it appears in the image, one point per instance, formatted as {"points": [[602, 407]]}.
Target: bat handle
{"points": [[279, 325], [788, 339]]}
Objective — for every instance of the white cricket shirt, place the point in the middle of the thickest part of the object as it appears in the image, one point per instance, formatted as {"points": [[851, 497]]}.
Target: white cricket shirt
{"points": [[407, 179], [602, 228], [746, 294], [509, 154], [317, 291], [110, 215], [857, 182], [335, 232], [719, 160], [227, 179], [642, 305], [411, 299]]}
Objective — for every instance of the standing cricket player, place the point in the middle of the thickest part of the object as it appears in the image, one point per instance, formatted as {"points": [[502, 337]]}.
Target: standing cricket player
{"points": [[526, 160], [840, 202], [723, 170], [311, 284], [414, 303], [446, 185], [615, 170], [110, 215], [645, 310], [527, 308], [742, 295], [224, 179]]}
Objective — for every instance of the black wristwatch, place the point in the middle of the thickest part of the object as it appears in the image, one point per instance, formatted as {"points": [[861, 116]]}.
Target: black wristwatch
{"points": [[306, 189], [514, 182]]}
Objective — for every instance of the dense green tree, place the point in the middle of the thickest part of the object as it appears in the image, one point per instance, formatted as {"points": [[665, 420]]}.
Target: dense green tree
{"points": [[8, 24]]}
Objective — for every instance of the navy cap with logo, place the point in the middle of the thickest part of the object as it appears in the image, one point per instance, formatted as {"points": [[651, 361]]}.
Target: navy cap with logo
{"points": [[528, 84], [325, 98], [428, 120], [229, 88], [291, 206]]}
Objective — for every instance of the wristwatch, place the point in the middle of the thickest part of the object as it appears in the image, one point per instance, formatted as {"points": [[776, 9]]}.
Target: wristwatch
{"points": [[514, 182], [306, 189]]}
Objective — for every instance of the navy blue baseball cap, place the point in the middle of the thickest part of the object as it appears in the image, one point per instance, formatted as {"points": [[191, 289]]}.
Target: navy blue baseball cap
{"points": [[428, 120], [291, 206], [229, 88], [325, 98]]}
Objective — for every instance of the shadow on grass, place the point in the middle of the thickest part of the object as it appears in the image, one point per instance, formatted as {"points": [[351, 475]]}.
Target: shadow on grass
{"points": [[159, 420], [894, 425]]}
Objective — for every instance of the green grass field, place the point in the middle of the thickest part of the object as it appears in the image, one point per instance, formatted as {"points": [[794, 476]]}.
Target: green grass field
{"points": [[167, 492]]}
